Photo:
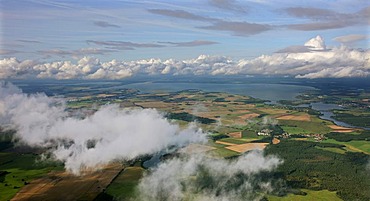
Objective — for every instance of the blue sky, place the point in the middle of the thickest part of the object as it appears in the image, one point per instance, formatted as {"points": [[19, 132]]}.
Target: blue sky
{"points": [[132, 30]]}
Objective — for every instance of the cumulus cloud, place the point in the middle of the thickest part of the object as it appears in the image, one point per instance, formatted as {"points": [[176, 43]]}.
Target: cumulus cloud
{"points": [[198, 177], [316, 43], [311, 60], [107, 135], [11, 67]]}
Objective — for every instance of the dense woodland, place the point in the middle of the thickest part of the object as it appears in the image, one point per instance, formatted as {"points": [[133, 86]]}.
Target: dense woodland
{"points": [[306, 166]]}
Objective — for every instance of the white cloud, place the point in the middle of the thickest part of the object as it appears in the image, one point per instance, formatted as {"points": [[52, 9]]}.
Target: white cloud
{"points": [[199, 178], [109, 134], [316, 43], [306, 61]]}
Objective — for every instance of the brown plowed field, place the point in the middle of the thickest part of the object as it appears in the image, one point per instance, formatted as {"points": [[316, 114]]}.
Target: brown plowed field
{"points": [[65, 186]]}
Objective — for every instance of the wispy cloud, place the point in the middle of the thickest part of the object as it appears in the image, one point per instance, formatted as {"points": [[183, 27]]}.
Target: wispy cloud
{"points": [[231, 5], [29, 41], [180, 14], [8, 52], [239, 28], [324, 19], [105, 24], [294, 49], [124, 45], [350, 38], [79, 52], [314, 13], [191, 43]]}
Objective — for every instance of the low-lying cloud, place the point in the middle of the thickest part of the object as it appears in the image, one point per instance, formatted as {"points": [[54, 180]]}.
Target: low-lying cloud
{"points": [[198, 177], [311, 60], [107, 135]]}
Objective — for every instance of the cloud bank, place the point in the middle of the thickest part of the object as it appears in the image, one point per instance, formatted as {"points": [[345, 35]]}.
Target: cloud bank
{"points": [[311, 60], [107, 135], [198, 177]]}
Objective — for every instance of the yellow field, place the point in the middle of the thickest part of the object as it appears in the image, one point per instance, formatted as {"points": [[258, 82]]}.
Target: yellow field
{"points": [[341, 129], [225, 143], [241, 148], [249, 116], [304, 117]]}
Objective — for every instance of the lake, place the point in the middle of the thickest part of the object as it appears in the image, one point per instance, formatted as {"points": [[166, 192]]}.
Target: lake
{"points": [[266, 91], [327, 114]]}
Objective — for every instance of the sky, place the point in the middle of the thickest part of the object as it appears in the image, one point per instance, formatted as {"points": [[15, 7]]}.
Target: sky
{"points": [[45, 39]]}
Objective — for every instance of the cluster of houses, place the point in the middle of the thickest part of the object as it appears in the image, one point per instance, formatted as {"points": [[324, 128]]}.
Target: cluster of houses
{"points": [[268, 132], [317, 137], [264, 132]]}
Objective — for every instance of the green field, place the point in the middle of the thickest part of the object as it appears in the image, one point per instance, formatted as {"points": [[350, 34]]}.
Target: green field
{"points": [[223, 152], [234, 140], [21, 169], [123, 186], [354, 145], [332, 149], [295, 130], [323, 195], [315, 126]]}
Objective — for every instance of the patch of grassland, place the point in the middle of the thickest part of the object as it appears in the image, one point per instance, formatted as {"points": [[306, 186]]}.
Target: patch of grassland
{"points": [[332, 149], [213, 144], [294, 130], [314, 126], [21, 169], [356, 146], [223, 152], [323, 195], [362, 145], [123, 187], [233, 140]]}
